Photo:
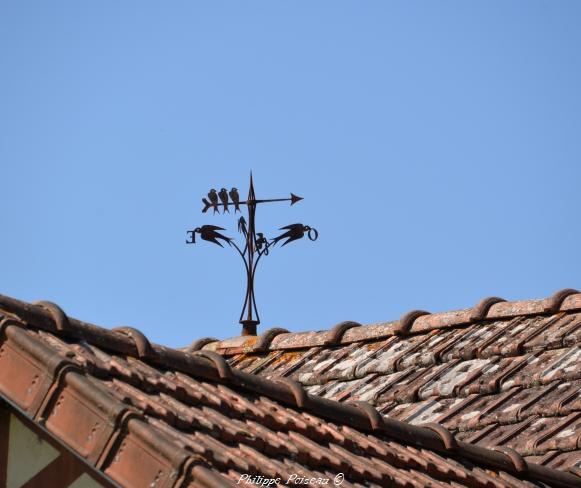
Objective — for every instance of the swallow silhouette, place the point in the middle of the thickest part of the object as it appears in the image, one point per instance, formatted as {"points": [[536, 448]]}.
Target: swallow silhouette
{"points": [[242, 226], [224, 198], [235, 199], [293, 232], [213, 196], [208, 233]]}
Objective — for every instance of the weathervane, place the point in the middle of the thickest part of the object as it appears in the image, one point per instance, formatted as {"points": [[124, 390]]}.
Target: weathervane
{"points": [[256, 244]]}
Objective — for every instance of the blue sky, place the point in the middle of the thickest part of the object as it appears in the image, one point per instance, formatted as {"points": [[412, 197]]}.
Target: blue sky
{"points": [[437, 145]]}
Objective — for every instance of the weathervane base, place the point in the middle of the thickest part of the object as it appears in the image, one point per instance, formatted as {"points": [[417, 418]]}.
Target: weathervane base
{"points": [[249, 327]]}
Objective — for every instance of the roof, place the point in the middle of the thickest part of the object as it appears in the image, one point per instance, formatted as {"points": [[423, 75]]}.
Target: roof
{"points": [[500, 374], [30, 457], [147, 415]]}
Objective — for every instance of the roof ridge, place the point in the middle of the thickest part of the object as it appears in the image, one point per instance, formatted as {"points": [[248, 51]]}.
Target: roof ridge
{"points": [[410, 323], [211, 366]]}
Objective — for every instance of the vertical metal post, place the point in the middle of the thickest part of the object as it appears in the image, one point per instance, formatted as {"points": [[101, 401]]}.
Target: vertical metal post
{"points": [[252, 319]]}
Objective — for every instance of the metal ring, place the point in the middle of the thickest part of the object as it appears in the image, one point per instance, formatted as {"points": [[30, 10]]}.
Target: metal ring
{"points": [[316, 234]]}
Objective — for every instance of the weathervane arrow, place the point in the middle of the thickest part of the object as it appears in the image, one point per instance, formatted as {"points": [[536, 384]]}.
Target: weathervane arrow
{"points": [[256, 244], [293, 199]]}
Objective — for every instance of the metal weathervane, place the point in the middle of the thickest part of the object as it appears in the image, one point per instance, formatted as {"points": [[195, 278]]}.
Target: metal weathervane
{"points": [[256, 244]]}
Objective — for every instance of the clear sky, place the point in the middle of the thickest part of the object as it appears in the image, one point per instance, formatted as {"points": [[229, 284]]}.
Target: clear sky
{"points": [[437, 146]]}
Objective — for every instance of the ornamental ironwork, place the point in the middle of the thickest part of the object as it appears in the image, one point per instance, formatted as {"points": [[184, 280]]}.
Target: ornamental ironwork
{"points": [[256, 244]]}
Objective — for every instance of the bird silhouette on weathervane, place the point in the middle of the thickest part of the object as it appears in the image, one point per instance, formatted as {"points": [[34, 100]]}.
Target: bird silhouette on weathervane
{"points": [[235, 199], [224, 199], [209, 233], [213, 196], [294, 232]]}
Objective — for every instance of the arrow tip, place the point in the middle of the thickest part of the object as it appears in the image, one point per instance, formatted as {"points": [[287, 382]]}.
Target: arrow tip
{"points": [[295, 198], [251, 194]]}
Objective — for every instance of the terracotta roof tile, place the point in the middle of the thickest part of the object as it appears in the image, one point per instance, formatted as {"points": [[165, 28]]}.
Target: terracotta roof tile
{"points": [[502, 374], [146, 414]]}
